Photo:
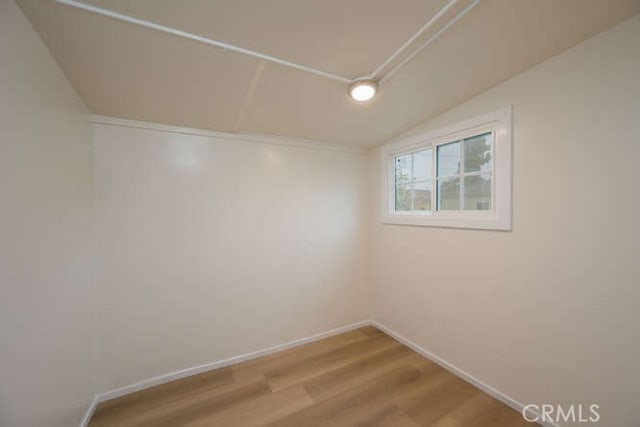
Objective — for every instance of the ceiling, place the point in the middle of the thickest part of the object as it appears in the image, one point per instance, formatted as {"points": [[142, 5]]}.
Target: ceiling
{"points": [[124, 70]]}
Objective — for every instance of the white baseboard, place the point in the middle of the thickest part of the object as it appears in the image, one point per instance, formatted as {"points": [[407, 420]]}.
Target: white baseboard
{"points": [[491, 391], [172, 376], [112, 394]]}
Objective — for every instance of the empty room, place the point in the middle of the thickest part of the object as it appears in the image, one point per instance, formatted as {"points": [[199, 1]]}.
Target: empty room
{"points": [[247, 213]]}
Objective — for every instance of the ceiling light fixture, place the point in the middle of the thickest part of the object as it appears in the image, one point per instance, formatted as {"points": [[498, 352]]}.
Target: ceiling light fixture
{"points": [[363, 89]]}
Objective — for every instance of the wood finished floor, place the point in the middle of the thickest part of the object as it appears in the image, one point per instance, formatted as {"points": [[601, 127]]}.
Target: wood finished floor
{"points": [[359, 378]]}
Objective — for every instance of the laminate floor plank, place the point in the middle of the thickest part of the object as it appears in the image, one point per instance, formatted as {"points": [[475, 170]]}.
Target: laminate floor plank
{"points": [[297, 372], [356, 405], [275, 361], [387, 416], [181, 411], [437, 401], [258, 411], [360, 371]]}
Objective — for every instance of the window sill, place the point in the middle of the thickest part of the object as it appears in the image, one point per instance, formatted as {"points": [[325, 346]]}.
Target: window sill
{"points": [[481, 221]]}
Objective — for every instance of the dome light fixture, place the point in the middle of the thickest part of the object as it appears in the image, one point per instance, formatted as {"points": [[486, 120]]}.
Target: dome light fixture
{"points": [[363, 89]]}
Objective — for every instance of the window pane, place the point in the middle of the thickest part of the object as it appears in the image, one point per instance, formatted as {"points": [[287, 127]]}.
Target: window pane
{"points": [[422, 196], [449, 159], [403, 197], [422, 165], [449, 194], [403, 169], [477, 193], [477, 153]]}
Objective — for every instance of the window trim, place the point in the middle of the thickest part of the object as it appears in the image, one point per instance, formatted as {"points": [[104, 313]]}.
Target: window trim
{"points": [[499, 218]]}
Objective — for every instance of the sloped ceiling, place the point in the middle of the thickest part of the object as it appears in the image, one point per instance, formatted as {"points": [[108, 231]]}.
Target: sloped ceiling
{"points": [[127, 71]]}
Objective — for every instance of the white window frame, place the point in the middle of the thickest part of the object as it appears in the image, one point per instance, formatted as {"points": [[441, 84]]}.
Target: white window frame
{"points": [[498, 218]]}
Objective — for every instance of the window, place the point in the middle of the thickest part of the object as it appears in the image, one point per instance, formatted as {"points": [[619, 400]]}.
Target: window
{"points": [[459, 176]]}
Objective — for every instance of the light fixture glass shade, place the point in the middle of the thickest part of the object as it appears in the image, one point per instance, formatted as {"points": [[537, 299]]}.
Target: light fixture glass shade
{"points": [[363, 90]]}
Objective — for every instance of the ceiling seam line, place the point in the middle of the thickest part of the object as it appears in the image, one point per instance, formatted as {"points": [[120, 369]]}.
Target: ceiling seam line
{"points": [[429, 41], [417, 34], [246, 105], [201, 39], [248, 52]]}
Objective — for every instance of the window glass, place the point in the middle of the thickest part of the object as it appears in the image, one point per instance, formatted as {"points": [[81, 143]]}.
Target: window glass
{"points": [[422, 196], [422, 165], [477, 153], [449, 194], [413, 181], [464, 174], [403, 169], [477, 192], [403, 197], [449, 159]]}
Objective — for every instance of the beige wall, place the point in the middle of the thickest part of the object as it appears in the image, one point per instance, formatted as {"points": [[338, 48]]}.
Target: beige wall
{"points": [[46, 243], [549, 311], [210, 248]]}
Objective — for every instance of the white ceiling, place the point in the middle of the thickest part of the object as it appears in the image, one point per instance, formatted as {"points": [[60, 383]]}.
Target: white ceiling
{"points": [[127, 71]]}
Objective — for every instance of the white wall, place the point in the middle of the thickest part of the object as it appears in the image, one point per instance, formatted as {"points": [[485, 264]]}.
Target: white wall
{"points": [[46, 243], [210, 248], [549, 311]]}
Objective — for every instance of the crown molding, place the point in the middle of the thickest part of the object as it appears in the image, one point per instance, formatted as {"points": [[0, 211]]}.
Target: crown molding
{"points": [[254, 138]]}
